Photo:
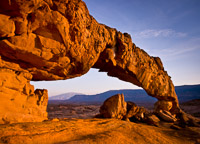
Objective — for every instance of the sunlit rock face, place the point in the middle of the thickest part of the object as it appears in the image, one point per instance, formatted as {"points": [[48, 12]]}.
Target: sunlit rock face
{"points": [[114, 107], [59, 39], [18, 100]]}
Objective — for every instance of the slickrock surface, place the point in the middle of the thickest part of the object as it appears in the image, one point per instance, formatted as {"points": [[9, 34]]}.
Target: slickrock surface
{"points": [[100, 131], [59, 39]]}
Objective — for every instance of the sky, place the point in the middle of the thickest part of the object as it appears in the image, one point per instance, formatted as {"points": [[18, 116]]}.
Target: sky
{"points": [[169, 29]]}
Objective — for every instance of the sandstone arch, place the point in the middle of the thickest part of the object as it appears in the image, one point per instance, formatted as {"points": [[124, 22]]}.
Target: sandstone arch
{"points": [[59, 39]]}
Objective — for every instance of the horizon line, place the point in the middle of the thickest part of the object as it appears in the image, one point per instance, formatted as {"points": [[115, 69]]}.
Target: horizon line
{"points": [[140, 88]]}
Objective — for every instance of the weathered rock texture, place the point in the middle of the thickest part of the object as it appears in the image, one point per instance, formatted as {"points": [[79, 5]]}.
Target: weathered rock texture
{"points": [[95, 131], [135, 112], [162, 109], [114, 107], [18, 100], [59, 39]]}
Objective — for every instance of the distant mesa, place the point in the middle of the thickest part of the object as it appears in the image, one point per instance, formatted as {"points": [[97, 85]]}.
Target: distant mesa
{"points": [[136, 95], [185, 93]]}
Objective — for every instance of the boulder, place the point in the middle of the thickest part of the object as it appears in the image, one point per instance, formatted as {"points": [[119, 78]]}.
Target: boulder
{"points": [[114, 107], [162, 109], [163, 105], [130, 104], [152, 120], [134, 112], [166, 116]]}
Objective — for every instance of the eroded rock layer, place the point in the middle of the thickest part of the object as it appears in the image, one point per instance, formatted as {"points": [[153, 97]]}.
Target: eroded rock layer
{"points": [[59, 39], [19, 102]]}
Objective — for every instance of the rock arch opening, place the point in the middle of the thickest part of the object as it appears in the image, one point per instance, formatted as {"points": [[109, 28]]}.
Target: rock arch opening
{"points": [[91, 90], [132, 64], [93, 82]]}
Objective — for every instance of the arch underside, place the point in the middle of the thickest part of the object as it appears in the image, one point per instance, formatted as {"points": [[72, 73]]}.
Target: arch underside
{"points": [[132, 64]]}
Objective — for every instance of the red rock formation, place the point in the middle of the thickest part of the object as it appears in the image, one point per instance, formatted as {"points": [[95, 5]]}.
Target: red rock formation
{"points": [[19, 102], [114, 107], [59, 39]]}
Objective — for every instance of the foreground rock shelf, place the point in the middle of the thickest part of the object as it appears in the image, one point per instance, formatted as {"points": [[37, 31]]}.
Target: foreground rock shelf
{"points": [[101, 131]]}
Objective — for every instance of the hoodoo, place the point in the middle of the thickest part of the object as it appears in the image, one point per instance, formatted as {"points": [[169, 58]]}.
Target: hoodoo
{"points": [[57, 40]]}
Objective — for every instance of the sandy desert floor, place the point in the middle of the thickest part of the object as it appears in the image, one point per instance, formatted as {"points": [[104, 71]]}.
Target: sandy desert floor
{"points": [[70, 110]]}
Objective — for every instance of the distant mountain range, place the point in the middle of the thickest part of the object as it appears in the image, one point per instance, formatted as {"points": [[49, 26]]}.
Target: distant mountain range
{"points": [[185, 93], [136, 95], [188, 92], [64, 96]]}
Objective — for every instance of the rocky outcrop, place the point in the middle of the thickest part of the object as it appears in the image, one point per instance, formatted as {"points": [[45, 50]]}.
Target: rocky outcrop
{"points": [[114, 107], [152, 120], [134, 112], [56, 39], [162, 109], [19, 102]]}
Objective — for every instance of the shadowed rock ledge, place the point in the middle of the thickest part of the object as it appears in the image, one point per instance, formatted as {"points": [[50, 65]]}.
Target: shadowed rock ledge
{"points": [[59, 39]]}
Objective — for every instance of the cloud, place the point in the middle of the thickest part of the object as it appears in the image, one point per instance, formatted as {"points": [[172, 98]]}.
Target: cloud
{"points": [[179, 49], [151, 33]]}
